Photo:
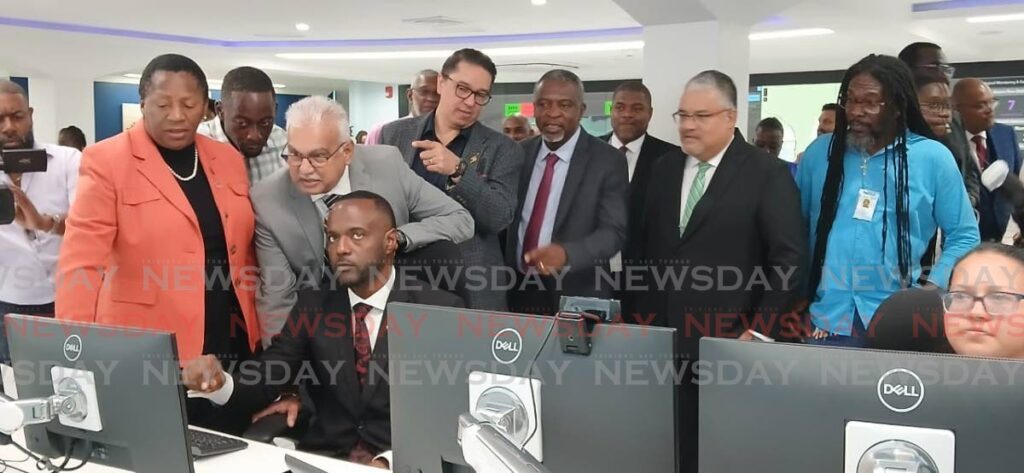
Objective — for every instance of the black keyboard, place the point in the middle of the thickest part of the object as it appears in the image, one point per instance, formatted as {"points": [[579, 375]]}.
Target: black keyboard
{"points": [[206, 444]]}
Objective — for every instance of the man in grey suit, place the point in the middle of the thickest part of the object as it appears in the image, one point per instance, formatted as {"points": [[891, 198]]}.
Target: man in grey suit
{"points": [[324, 164], [573, 195], [475, 165]]}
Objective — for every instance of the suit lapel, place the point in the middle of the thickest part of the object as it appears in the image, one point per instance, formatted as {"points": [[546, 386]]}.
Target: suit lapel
{"points": [[152, 166], [577, 171], [475, 147], [337, 302], [307, 217], [358, 178], [379, 358], [727, 170]]}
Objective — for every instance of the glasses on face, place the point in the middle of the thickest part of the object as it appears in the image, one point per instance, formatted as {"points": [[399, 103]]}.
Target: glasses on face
{"points": [[984, 106], [700, 118], [936, 107], [316, 159], [945, 69], [869, 107], [463, 91], [995, 303]]}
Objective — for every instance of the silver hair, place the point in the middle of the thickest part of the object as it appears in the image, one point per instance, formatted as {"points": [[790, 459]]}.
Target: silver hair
{"points": [[316, 110], [716, 80], [562, 75]]}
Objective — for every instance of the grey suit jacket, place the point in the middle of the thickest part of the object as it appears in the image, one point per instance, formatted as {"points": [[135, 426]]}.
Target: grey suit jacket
{"points": [[289, 230], [592, 213], [488, 190]]}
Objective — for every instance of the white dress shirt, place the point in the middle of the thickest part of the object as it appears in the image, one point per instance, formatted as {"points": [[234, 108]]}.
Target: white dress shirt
{"points": [[564, 154], [690, 173], [378, 301], [632, 151], [343, 187], [973, 148], [28, 259]]}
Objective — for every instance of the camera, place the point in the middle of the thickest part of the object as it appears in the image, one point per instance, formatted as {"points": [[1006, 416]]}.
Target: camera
{"points": [[17, 161]]}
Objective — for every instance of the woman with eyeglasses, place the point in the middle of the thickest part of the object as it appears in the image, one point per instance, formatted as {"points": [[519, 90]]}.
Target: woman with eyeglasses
{"points": [[984, 313], [161, 233]]}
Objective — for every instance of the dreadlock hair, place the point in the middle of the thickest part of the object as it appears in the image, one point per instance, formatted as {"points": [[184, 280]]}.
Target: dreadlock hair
{"points": [[901, 102]]}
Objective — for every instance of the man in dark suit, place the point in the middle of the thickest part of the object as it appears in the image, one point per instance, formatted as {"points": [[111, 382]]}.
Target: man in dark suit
{"points": [[339, 334], [988, 143], [473, 164], [631, 115], [572, 216], [728, 215]]}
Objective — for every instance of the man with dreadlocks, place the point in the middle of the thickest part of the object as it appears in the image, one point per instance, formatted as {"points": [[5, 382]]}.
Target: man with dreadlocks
{"points": [[873, 193]]}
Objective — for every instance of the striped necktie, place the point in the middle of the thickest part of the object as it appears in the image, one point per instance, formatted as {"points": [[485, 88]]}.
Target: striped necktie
{"points": [[696, 191]]}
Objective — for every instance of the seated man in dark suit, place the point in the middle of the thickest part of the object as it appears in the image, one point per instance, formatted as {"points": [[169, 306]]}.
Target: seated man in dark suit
{"points": [[988, 142], [339, 334]]}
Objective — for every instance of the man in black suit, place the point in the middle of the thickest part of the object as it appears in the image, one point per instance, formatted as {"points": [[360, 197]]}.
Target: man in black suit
{"points": [[337, 333], [728, 215], [571, 216], [631, 114]]}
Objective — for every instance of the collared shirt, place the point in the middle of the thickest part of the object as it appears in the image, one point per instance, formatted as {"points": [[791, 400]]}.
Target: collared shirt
{"points": [[858, 275], [343, 187], [456, 145], [261, 166], [28, 259], [691, 173], [378, 302], [974, 148], [564, 154], [632, 151]]}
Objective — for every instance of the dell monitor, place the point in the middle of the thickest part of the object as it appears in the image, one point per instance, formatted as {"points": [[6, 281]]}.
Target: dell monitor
{"points": [[607, 411], [779, 408], [119, 398]]}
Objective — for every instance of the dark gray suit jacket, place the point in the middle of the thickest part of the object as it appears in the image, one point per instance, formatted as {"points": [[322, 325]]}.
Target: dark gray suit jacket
{"points": [[289, 230], [956, 141], [591, 219], [488, 190]]}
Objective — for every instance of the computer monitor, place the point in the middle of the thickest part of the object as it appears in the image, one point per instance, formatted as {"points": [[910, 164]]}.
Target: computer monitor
{"points": [[137, 421], [778, 408], [610, 411]]}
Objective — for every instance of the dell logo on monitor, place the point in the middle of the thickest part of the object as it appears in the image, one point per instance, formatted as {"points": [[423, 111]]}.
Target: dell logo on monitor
{"points": [[506, 346], [73, 348], [900, 390]]}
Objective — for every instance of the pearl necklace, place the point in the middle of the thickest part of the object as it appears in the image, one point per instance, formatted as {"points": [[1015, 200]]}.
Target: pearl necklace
{"points": [[195, 168]]}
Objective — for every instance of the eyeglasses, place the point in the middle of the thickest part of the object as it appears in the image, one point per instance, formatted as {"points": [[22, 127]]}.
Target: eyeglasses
{"points": [[984, 105], [943, 68], [869, 107], [315, 159], [700, 118], [995, 303], [936, 107], [463, 92]]}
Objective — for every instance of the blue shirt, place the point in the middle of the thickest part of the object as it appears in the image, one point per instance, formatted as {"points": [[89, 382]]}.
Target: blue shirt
{"points": [[564, 154], [857, 276]]}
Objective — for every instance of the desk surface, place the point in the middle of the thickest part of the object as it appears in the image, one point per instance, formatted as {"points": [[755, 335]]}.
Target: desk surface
{"points": [[258, 458]]}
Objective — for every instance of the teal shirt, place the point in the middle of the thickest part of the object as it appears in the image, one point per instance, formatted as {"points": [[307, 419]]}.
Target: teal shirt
{"points": [[857, 276]]}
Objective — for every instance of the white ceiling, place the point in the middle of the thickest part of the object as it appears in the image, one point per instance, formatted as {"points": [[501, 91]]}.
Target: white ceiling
{"points": [[861, 27]]}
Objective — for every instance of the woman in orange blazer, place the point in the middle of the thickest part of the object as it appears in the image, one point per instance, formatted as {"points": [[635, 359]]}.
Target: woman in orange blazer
{"points": [[160, 236]]}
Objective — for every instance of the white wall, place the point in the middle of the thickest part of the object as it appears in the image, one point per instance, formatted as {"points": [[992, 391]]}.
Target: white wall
{"points": [[797, 107], [369, 105], [58, 103]]}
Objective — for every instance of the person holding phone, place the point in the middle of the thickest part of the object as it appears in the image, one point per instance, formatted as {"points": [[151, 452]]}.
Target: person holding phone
{"points": [[30, 244]]}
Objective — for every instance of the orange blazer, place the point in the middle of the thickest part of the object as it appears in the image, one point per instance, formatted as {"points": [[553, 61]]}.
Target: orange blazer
{"points": [[133, 254]]}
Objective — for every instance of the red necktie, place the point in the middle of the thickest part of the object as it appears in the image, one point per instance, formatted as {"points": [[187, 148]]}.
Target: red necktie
{"points": [[532, 237], [979, 146], [361, 340], [624, 149]]}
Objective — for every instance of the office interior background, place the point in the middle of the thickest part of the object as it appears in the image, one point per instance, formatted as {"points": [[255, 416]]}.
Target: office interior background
{"points": [[81, 63]]}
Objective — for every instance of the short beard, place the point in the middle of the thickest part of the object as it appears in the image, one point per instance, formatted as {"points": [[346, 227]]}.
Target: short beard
{"points": [[861, 141], [27, 142]]}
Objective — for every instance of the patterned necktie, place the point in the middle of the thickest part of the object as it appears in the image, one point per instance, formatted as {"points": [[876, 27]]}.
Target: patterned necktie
{"points": [[329, 200], [696, 191], [361, 341], [979, 147]]}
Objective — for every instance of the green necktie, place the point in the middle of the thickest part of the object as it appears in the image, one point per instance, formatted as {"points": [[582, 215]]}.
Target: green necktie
{"points": [[696, 191]]}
